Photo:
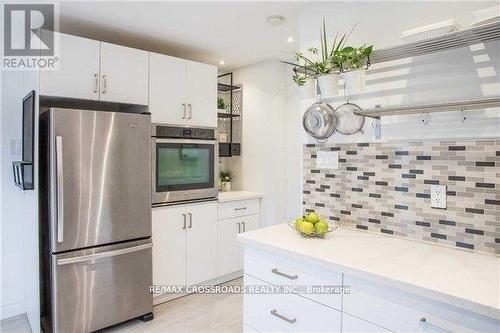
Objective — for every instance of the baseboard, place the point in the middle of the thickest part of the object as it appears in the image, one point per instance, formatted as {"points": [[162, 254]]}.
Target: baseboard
{"points": [[12, 310], [158, 299]]}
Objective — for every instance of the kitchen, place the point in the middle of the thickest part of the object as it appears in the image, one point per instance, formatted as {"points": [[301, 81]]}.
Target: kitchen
{"points": [[196, 155]]}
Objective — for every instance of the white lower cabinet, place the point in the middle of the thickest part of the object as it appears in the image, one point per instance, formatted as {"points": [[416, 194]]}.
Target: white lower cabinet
{"points": [[184, 244], [169, 246], [274, 312], [229, 250], [235, 217], [367, 307], [401, 311], [201, 243]]}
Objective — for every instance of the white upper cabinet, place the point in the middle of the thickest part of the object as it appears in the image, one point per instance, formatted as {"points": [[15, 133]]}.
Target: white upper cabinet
{"points": [[77, 75], [201, 86], [89, 69], [167, 89], [124, 74], [182, 92]]}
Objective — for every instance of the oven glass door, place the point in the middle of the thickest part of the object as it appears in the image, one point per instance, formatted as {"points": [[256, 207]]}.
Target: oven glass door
{"points": [[184, 166]]}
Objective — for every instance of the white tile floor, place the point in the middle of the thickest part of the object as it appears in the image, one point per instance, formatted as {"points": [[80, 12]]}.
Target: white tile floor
{"points": [[193, 313]]}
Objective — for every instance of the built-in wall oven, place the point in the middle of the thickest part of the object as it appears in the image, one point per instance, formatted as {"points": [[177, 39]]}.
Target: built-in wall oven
{"points": [[184, 164]]}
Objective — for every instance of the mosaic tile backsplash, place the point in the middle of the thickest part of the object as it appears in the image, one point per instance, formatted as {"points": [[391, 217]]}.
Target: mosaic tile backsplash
{"points": [[385, 187]]}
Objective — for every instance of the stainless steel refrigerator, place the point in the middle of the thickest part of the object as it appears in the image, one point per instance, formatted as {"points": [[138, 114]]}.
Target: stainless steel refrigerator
{"points": [[95, 219]]}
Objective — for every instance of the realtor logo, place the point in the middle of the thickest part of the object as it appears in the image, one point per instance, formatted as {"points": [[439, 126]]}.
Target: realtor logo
{"points": [[22, 29], [29, 39]]}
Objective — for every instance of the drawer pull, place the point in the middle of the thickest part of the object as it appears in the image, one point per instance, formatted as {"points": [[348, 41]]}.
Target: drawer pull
{"points": [[241, 208], [291, 277], [434, 328], [276, 314]]}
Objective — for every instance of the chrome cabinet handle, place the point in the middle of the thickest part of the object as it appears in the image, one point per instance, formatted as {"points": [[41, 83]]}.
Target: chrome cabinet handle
{"points": [[241, 208], [108, 254], [275, 313], [190, 111], [424, 322], [104, 84], [184, 112], [60, 189], [190, 221], [291, 277], [184, 219], [244, 226], [239, 227], [96, 83]]}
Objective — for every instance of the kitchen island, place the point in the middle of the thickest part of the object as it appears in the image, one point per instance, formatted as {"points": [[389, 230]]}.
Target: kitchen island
{"points": [[390, 284]]}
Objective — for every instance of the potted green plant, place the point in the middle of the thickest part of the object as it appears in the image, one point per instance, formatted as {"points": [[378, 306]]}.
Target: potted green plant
{"points": [[353, 61], [322, 62], [225, 180], [221, 105]]}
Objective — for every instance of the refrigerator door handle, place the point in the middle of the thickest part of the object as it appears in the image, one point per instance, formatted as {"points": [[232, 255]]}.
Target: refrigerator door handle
{"points": [[74, 260], [60, 189]]}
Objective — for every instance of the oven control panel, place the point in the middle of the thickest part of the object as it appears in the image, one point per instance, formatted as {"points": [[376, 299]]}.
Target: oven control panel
{"points": [[161, 131]]}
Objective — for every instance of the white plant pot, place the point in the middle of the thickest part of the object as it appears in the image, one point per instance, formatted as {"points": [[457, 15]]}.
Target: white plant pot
{"points": [[354, 81], [308, 90], [328, 85], [226, 186]]}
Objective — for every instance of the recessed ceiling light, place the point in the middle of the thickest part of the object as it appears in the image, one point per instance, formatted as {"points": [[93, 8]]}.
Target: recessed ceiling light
{"points": [[275, 20], [221, 62], [289, 39]]}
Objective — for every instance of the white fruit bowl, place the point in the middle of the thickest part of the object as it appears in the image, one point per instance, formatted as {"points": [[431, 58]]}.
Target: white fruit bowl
{"points": [[331, 227]]}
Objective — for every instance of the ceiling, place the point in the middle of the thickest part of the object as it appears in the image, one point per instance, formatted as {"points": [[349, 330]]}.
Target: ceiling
{"points": [[237, 33]]}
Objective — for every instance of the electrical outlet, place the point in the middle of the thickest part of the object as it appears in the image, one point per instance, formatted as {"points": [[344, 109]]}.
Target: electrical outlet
{"points": [[438, 196], [327, 160]]}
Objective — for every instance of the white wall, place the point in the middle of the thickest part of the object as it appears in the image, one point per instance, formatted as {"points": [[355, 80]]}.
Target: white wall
{"points": [[264, 165], [19, 210]]}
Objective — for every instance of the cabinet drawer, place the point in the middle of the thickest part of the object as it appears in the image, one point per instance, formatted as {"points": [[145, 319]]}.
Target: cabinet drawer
{"points": [[278, 270], [238, 208], [400, 311], [286, 312]]}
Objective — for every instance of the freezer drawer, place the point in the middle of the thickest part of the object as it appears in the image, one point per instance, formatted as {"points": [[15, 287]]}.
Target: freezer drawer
{"points": [[99, 287]]}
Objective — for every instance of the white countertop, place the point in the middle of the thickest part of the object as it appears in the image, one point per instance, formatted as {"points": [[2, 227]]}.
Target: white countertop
{"points": [[464, 279], [238, 195]]}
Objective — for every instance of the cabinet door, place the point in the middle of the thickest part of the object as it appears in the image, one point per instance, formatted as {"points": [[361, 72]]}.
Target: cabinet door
{"points": [[201, 249], [228, 249], [77, 75], [169, 246], [124, 74], [354, 325], [250, 223], [201, 91], [167, 89]]}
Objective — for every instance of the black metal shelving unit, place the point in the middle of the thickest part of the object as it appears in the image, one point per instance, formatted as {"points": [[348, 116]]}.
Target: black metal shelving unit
{"points": [[230, 148]]}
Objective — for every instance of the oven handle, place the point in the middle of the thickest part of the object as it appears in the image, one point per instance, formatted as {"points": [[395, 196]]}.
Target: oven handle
{"points": [[202, 141]]}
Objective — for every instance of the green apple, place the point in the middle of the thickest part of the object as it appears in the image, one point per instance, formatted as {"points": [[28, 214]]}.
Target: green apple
{"points": [[312, 217], [321, 227], [306, 228]]}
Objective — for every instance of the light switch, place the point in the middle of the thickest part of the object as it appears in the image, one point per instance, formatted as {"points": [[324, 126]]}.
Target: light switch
{"points": [[327, 160], [438, 196]]}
